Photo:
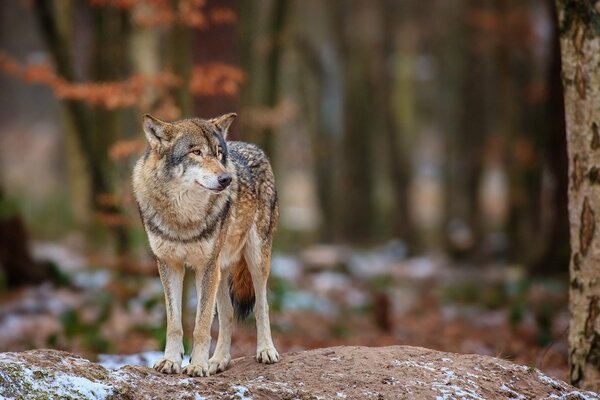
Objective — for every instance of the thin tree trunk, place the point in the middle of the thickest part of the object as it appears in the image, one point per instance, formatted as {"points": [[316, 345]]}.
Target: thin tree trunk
{"points": [[555, 255], [277, 24], [580, 45], [218, 44], [109, 57], [316, 85], [180, 54], [465, 158], [359, 127], [398, 161]]}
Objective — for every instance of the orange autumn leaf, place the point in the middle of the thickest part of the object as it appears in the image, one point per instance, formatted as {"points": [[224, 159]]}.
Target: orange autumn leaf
{"points": [[216, 79], [111, 95]]}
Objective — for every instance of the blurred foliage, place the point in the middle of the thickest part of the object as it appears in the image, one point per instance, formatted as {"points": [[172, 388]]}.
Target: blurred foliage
{"points": [[517, 297]]}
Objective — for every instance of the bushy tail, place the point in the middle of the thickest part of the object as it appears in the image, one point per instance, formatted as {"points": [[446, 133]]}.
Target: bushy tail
{"points": [[241, 289]]}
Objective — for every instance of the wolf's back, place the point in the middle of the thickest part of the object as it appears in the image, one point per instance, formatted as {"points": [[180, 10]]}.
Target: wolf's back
{"points": [[254, 174]]}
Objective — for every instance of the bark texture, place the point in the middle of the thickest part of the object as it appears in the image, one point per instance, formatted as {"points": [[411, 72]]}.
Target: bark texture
{"points": [[580, 47]]}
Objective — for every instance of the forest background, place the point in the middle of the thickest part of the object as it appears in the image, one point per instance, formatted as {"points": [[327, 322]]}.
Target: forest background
{"points": [[419, 149]]}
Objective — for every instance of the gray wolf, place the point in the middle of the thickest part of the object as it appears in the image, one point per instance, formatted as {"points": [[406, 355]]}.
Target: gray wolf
{"points": [[210, 204]]}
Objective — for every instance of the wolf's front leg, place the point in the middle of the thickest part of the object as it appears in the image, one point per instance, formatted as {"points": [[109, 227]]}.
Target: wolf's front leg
{"points": [[222, 357], [207, 283], [171, 275]]}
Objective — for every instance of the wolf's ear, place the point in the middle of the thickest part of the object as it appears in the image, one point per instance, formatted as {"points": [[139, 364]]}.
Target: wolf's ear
{"points": [[223, 123], [155, 131]]}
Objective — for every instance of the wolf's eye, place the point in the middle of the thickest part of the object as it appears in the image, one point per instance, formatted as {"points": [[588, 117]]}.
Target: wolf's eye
{"points": [[219, 154], [197, 152]]}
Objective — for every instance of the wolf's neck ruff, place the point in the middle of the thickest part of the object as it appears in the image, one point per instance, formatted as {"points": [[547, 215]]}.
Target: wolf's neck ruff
{"points": [[215, 217]]}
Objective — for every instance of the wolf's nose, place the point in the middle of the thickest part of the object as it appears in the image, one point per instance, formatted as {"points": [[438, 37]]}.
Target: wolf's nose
{"points": [[224, 180]]}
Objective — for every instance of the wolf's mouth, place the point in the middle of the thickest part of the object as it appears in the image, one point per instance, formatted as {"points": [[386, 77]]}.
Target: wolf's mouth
{"points": [[214, 190]]}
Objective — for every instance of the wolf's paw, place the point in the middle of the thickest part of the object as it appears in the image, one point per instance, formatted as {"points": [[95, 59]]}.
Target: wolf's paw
{"points": [[218, 363], [267, 356], [194, 370], [167, 366]]}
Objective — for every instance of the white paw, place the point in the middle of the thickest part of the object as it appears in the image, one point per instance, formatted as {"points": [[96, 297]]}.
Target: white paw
{"points": [[168, 366], [194, 370], [218, 363], [267, 355]]}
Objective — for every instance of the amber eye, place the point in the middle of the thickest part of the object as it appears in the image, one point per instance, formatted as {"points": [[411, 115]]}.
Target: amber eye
{"points": [[197, 152], [219, 154]]}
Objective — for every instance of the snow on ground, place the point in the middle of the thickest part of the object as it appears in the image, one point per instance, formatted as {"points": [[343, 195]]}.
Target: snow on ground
{"points": [[145, 359]]}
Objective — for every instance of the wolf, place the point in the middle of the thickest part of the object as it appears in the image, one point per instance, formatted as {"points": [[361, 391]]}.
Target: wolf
{"points": [[211, 204]]}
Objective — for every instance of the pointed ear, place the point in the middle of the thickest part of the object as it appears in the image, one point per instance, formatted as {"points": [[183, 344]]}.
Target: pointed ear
{"points": [[223, 123], [156, 131]]}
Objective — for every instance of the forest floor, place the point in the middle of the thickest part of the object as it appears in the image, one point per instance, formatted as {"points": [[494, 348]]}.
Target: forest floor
{"points": [[323, 296]]}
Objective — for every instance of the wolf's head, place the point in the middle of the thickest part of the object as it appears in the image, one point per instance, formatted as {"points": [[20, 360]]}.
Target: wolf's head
{"points": [[192, 151]]}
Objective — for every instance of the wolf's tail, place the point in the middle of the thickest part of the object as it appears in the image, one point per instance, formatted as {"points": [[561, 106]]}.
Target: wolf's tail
{"points": [[241, 289]]}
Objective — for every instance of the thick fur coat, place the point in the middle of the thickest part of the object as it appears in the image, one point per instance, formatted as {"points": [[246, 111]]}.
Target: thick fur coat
{"points": [[212, 205]]}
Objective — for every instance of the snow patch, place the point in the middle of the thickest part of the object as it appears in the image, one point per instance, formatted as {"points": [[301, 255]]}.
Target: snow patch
{"points": [[145, 359], [550, 381], [241, 392], [55, 385], [576, 395], [513, 394]]}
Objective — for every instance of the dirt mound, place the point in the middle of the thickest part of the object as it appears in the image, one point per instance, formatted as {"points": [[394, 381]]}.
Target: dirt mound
{"points": [[396, 372]]}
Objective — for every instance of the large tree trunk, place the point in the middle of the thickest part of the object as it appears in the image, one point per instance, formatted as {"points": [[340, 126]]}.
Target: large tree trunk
{"points": [[580, 45]]}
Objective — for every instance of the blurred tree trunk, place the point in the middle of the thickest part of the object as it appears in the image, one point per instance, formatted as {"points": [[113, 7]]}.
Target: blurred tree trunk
{"points": [[279, 16], [54, 22], [398, 162], [555, 251], [109, 64], [218, 44], [580, 45], [527, 134], [465, 148], [452, 46], [320, 88], [360, 123], [262, 36], [180, 55], [16, 261]]}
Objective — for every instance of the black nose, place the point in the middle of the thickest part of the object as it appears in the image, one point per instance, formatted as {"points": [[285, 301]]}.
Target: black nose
{"points": [[224, 180]]}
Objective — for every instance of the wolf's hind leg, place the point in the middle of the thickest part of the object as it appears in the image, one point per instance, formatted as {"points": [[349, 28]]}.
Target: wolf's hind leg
{"points": [[258, 257], [222, 356], [171, 277]]}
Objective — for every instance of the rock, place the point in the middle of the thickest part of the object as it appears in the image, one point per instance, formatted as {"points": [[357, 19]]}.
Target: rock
{"points": [[397, 372]]}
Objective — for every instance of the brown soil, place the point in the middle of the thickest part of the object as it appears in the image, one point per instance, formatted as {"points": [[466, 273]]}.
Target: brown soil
{"points": [[395, 372]]}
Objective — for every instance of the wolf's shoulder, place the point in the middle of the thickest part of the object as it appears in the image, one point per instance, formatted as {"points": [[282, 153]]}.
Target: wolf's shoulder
{"points": [[247, 153]]}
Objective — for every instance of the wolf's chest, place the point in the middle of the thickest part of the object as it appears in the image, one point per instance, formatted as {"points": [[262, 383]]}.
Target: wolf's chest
{"points": [[194, 253]]}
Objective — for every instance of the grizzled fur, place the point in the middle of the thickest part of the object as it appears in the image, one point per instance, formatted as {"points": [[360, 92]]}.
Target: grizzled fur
{"points": [[210, 204]]}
